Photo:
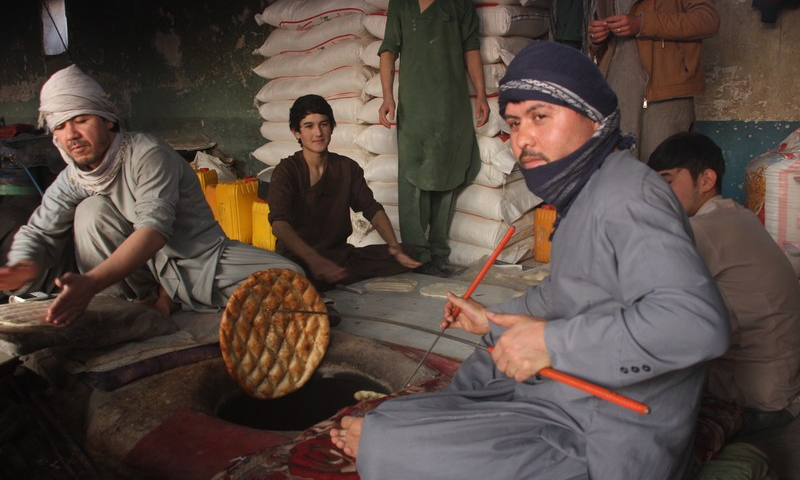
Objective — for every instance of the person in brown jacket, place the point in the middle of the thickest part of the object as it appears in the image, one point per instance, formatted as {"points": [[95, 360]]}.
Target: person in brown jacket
{"points": [[649, 51]]}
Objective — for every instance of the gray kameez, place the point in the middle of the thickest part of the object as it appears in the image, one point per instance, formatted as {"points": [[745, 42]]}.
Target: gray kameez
{"points": [[155, 188], [631, 307]]}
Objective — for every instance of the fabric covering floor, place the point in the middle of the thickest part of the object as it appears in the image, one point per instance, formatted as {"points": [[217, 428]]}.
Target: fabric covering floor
{"points": [[180, 446]]}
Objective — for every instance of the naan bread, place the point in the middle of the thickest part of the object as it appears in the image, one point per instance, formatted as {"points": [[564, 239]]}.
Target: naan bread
{"points": [[271, 354]]}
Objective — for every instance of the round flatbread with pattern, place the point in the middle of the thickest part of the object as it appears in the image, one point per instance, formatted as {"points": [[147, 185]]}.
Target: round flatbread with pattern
{"points": [[269, 352]]}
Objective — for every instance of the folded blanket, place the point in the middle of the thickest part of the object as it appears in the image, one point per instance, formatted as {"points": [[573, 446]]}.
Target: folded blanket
{"points": [[106, 321], [736, 461]]}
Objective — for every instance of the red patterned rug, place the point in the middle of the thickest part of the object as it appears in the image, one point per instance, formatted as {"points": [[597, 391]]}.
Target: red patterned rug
{"points": [[194, 446], [312, 455]]}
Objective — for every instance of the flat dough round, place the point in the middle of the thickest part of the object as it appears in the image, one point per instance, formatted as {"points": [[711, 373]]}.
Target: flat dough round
{"points": [[271, 354], [391, 285], [440, 290], [536, 276]]}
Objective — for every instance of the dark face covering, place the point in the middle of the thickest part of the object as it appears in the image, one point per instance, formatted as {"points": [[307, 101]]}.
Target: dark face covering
{"points": [[559, 182], [561, 75]]}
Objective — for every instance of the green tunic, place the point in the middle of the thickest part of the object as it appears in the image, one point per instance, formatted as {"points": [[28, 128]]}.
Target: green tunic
{"points": [[437, 147]]}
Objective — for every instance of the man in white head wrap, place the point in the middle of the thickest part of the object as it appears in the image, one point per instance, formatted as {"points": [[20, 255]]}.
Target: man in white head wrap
{"points": [[140, 222]]}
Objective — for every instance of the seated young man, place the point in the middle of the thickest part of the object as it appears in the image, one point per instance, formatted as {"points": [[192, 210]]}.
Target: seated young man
{"points": [[761, 370], [310, 197]]}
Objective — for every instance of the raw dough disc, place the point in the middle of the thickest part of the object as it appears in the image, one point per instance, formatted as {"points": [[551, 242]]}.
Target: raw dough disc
{"points": [[440, 290], [391, 285]]}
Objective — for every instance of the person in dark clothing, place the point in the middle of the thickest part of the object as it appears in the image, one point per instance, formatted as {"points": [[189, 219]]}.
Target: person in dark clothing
{"points": [[310, 197]]}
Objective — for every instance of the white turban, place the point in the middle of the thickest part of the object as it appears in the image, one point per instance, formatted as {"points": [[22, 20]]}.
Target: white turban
{"points": [[69, 93]]}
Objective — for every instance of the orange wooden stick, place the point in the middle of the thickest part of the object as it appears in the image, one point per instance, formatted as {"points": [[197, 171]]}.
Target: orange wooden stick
{"points": [[595, 390], [592, 389], [455, 311], [486, 266]]}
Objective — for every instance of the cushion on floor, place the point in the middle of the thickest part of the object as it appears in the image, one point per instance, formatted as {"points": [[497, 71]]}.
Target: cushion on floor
{"points": [[106, 321]]}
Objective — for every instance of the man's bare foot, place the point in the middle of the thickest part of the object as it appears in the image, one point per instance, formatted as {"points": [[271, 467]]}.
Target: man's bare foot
{"points": [[163, 303], [347, 437]]}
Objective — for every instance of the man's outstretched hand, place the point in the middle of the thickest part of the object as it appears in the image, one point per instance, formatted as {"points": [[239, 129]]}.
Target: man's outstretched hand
{"points": [[76, 292], [13, 277]]}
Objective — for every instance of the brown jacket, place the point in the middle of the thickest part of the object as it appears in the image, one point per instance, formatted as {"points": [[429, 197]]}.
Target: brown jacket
{"points": [[669, 44]]}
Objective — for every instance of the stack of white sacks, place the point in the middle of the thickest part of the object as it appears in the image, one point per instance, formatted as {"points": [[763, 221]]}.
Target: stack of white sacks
{"points": [[329, 48]]}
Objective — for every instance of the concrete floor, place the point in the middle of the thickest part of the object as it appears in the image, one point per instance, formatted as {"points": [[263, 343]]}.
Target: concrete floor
{"points": [[108, 425], [414, 312]]}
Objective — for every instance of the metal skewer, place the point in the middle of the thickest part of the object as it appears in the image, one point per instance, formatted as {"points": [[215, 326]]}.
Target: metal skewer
{"points": [[472, 287], [548, 372]]}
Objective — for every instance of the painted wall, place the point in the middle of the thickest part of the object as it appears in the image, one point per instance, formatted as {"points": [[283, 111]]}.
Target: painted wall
{"points": [[185, 66], [171, 66], [752, 99]]}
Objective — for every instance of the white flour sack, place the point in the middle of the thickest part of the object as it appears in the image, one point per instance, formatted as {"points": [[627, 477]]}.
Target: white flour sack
{"points": [[495, 124], [501, 49], [305, 14], [362, 226], [385, 192], [382, 168], [344, 82], [345, 110], [378, 139], [275, 111], [369, 111], [271, 153], [370, 55], [349, 27], [359, 223], [512, 20], [375, 24], [315, 62], [381, 4], [492, 74], [490, 176], [772, 191], [467, 254], [532, 3], [373, 86], [496, 152], [507, 203], [485, 232], [372, 238]]}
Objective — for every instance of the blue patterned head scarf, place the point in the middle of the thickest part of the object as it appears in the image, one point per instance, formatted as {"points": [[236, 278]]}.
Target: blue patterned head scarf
{"points": [[562, 75]]}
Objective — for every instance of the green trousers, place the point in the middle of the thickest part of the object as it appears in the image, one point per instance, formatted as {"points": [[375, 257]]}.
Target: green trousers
{"points": [[425, 219]]}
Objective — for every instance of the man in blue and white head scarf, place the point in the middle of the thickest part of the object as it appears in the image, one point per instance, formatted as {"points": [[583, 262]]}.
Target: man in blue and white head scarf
{"points": [[563, 77], [629, 306]]}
